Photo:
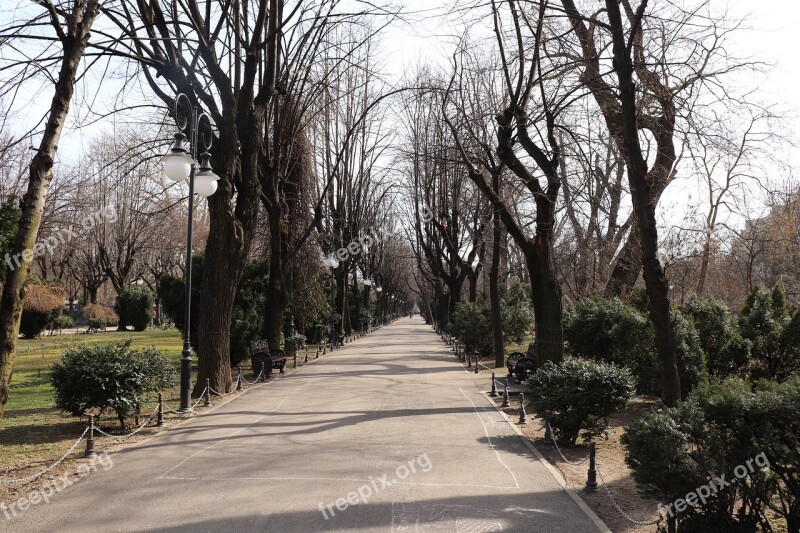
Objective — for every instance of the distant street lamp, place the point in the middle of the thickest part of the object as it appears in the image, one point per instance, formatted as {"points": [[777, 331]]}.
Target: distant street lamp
{"points": [[378, 291], [181, 164], [331, 262]]}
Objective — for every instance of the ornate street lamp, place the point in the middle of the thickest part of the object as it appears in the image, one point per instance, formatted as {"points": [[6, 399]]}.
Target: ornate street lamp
{"points": [[181, 164], [331, 262]]}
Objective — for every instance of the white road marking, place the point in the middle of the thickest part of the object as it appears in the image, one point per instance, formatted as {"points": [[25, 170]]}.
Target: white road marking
{"points": [[489, 438]]}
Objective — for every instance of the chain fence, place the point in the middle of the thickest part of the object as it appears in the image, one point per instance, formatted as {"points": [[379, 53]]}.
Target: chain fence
{"points": [[39, 474]]}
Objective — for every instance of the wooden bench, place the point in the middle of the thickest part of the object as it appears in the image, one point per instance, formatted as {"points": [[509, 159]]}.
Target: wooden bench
{"points": [[263, 358]]}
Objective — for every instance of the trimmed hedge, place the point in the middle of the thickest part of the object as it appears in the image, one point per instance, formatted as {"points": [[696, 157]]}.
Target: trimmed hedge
{"points": [[578, 395], [109, 377]]}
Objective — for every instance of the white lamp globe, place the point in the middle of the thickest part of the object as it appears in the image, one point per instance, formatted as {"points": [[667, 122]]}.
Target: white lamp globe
{"points": [[205, 181], [205, 186], [177, 167], [177, 163]]}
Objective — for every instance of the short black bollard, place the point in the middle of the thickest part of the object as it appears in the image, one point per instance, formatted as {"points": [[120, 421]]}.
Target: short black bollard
{"points": [[263, 371], [591, 479], [239, 380], [505, 403], [494, 387], [523, 418], [469, 360], [477, 366], [208, 393], [90, 439], [160, 416]]}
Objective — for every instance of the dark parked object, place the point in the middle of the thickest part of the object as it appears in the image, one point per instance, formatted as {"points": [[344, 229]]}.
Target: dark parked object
{"points": [[260, 354], [521, 366]]}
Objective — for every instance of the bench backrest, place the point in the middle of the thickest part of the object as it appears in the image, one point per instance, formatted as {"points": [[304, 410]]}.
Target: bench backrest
{"points": [[514, 358], [259, 346]]}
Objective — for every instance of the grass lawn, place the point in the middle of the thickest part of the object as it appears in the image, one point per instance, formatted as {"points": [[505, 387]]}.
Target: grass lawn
{"points": [[32, 431]]}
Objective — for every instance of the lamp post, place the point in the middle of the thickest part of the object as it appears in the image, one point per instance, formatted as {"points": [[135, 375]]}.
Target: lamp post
{"points": [[367, 283], [331, 262], [181, 164], [378, 291]]}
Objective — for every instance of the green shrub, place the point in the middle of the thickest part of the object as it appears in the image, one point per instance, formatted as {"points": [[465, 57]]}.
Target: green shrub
{"points": [[579, 395], [295, 343], [109, 377], [727, 352], [773, 329], [60, 320], [516, 312], [42, 303], [692, 366], [608, 330], [719, 427], [470, 323], [134, 306]]}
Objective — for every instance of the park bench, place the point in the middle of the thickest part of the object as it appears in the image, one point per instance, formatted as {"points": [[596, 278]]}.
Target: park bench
{"points": [[522, 365], [264, 358]]}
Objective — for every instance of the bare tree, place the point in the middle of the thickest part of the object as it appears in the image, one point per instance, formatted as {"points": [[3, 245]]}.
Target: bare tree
{"points": [[527, 145], [72, 23]]}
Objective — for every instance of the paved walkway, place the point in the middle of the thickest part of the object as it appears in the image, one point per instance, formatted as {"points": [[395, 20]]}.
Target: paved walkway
{"points": [[390, 422]]}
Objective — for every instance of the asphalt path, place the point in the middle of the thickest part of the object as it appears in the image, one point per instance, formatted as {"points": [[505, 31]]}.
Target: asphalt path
{"points": [[387, 434]]}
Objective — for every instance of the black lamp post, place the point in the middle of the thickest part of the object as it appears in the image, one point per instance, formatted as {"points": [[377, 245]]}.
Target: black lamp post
{"points": [[332, 262], [181, 164]]}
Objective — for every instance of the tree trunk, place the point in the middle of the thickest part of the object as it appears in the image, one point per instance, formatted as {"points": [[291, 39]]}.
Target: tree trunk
{"points": [[229, 238], [494, 287], [547, 307], [444, 309], [627, 267], [277, 291], [701, 281], [640, 180], [40, 175]]}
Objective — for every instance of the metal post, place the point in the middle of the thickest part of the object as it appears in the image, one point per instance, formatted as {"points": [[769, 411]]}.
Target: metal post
{"points": [[591, 480], [160, 416], [263, 371], [469, 360], [523, 418], [239, 380], [208, 393], [494, 387], [477, 366], [90, 439], [186, 354], [505, 403]]}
